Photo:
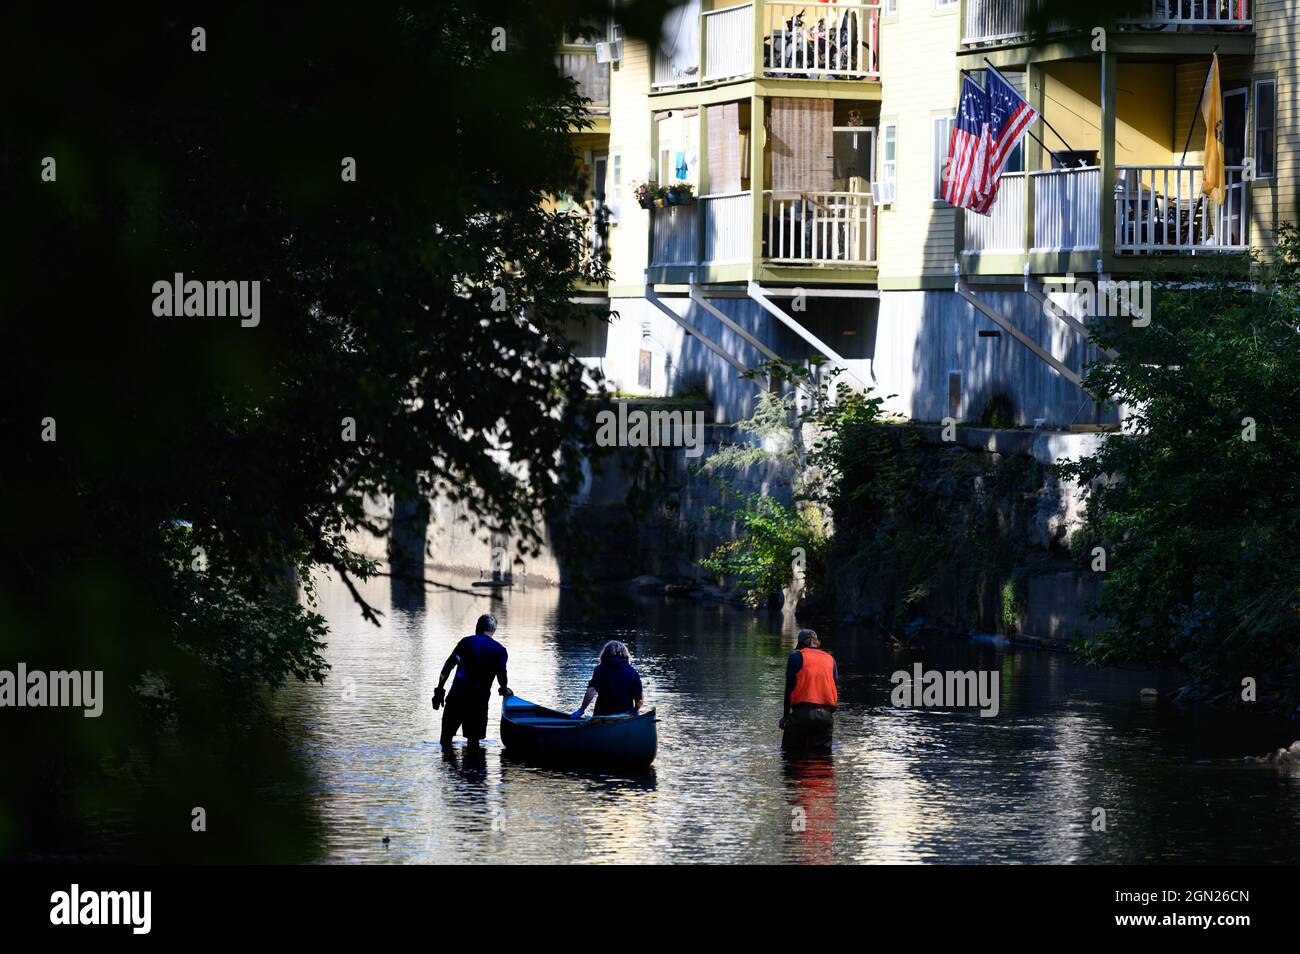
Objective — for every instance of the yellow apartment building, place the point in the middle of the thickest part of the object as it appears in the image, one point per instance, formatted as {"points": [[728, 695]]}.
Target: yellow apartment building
{"points": [[793, 155]]}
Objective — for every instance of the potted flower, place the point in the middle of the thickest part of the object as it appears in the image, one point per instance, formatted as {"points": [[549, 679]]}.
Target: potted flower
{"points": [[681, 193], [649, 195]]}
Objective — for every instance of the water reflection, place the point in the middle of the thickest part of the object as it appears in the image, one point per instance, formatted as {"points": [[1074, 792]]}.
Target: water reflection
{"points": [[810, 780], [900, 785]]}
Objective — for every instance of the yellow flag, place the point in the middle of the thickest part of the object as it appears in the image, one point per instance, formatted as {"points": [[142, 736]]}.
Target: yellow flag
{"points": [[1211, 103]]}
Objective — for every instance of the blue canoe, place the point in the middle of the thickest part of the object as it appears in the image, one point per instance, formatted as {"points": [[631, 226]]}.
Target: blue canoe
{"points": [[536, 733]]}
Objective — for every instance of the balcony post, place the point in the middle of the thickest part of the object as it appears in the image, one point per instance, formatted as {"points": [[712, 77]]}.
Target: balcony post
{"points": [[757, 143], [757, 68], [1106, 201], [701, 42], [1033, 149], [701, 177], [651, 175]]}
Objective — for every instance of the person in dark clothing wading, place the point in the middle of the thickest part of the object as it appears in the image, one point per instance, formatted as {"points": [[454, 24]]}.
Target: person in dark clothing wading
{"points": [[477, 659], [615, 685], [810, 696]]}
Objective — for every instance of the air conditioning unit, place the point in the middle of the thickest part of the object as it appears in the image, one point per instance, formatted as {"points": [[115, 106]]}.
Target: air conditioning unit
{"points": [[609, 52], [882, 193]]}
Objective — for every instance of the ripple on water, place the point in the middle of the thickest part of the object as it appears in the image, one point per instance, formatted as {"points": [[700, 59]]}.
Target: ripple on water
{"points": [[901, 785]]}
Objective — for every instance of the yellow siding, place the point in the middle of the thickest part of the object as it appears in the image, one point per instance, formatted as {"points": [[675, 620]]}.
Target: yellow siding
{"points": [[1157, 101], [1234, 72], [1144, 113], [1272, 201], [1277, 200], [629, 135], [919, 81]]}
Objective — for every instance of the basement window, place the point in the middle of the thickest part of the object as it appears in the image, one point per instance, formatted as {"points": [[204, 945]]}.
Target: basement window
{"points": [[643, 371]]}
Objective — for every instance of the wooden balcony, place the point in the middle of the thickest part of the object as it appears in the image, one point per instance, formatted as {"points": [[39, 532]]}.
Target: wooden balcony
{"points": [[819, 228], [1067, 209], [993, 22], [1003, 229], [579, 64], [587, 226], [798, 41], [714, 230], [1159, 210], [1178, 16], [811, 233], [998, 22]]}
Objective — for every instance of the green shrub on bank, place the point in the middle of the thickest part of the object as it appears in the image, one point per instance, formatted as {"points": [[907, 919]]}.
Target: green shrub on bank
{"points": [[1198, 504]]}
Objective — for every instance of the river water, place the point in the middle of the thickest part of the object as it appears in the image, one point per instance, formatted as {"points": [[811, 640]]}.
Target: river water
{"points": [[901, 785]]}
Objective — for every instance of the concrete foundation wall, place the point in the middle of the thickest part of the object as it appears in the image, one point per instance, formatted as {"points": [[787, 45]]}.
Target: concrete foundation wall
{"points": [[641, 511], [905, 345], [649, 512]]}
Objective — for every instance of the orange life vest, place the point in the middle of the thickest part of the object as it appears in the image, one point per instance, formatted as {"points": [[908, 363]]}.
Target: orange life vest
{"points": [[815, 680]]}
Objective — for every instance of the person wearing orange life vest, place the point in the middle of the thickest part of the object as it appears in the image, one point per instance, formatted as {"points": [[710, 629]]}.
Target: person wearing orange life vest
{"points": [[810, 695]]}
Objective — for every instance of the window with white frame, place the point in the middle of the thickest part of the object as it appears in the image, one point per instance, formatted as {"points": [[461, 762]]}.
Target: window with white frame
{"points": [[942, 126], [614, 196], [1265, 129], [891, 8], [945, 4], [889, 152]]}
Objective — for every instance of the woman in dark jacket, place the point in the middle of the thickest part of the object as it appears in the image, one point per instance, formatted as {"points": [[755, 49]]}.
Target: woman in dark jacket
{"points": [[615, 685]]}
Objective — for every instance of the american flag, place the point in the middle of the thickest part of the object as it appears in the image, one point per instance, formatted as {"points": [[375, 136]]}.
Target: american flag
{"points": [[1009, 118], [990, 121], [963, 176]]}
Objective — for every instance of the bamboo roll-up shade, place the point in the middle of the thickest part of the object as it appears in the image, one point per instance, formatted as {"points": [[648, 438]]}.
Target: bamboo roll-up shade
{"points": [[800, 142], [724, 147]]}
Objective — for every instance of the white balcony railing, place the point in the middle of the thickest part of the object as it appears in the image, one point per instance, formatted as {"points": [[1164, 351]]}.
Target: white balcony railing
{"points": [[592, 77], [665, 76], [674, 235], [585, 226], [990, 21], [728, 42], [712, 230], [819, 228], [1160, 209], [821, 40], [799, 228], [1067, 209], [1173, 15], [997, 21], [724, 224], [803, 40], [1003, 229]]}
